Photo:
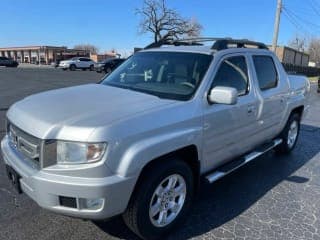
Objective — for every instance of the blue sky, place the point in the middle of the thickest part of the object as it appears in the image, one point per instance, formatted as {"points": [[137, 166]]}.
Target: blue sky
{"points": [[113, 23]]}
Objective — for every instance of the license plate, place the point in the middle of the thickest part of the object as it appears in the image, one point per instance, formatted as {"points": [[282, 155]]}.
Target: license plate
{"points": [[14, 177]]}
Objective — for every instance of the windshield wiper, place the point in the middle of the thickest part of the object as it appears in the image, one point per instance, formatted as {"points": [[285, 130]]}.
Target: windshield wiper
{"points": [[161, 95], [136, 89]]}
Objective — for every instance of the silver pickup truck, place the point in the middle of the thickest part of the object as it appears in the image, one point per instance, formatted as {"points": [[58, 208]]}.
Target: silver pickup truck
{"points": [[138, 143]]}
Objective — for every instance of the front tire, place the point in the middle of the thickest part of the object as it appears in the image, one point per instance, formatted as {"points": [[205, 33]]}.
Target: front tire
{"points": [[91, 68], [289, 135], [72, 67], [107, 70], [161, 199]]}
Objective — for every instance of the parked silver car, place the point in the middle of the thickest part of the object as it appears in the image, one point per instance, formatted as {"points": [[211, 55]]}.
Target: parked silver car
{"points": [[77, 63], [138, 143]]}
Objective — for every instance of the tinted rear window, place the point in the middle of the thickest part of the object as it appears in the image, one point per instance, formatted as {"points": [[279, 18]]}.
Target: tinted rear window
{"points": [[266, 72]]}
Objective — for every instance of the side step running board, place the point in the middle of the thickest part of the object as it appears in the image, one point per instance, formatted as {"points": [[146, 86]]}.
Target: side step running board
{"points": [[231, 166]]}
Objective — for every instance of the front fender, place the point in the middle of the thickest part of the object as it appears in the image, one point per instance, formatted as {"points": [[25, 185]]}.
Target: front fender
{"points": [[142, 152]]}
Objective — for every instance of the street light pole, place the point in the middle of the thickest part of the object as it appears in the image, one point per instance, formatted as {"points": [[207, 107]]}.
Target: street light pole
{"points": [[276, 25]]}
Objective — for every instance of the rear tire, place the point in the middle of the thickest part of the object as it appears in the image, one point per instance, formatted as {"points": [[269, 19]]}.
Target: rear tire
{"points": [[91, 67], [161, 199], [289, 135]]}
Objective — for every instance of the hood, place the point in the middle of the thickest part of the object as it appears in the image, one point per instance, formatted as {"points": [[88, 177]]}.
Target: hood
{"points": [[66, 61], [75, 112]]}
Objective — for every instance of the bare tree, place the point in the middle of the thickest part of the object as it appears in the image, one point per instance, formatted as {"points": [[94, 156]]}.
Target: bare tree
{"points": [[314, 50], [88, 47], [165, 23], [299, 43]]}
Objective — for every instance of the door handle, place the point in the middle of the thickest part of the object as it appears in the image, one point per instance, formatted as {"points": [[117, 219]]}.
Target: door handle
{"points": [[251, 109]]}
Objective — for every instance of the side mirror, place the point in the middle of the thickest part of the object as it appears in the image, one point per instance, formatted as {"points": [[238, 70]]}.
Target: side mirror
{"points": [[223, 95]]}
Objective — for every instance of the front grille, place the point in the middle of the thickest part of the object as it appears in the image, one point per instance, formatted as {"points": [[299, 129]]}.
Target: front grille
{"points": [[26, 144]]}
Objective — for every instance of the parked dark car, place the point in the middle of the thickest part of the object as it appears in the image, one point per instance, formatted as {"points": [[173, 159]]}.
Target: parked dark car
{"points": [[55, 63], [7, 62], [318, 85], [108, 65]]}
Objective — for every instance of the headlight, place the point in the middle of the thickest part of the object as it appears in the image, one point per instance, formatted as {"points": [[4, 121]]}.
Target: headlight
{"points": [[75, 152]]}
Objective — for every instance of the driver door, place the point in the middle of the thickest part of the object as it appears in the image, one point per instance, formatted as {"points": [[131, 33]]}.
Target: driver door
{"points": [[82, 63], [229, 129]]}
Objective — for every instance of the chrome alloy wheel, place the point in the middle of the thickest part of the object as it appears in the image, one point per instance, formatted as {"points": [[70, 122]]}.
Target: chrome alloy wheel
{"points": [[167, 200], [292, 134]]}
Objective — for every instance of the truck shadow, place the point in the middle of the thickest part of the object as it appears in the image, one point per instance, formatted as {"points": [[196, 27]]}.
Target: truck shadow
{"points": [[226, 199]]}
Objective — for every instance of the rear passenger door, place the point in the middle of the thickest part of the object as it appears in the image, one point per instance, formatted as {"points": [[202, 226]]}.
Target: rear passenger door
{"points": [[272, 93], [229, 129]]}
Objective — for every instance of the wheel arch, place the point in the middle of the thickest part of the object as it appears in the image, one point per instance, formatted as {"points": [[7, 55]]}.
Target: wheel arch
{"points": [[299, 110], [188, 154], [296, 109]]}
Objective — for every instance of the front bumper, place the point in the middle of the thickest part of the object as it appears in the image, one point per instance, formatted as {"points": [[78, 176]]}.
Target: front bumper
{"points": [[47, 189], [99, 68], [64, 66]]}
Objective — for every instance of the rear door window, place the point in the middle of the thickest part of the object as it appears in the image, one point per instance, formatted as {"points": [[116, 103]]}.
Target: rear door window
{"points": [[266, 72]]}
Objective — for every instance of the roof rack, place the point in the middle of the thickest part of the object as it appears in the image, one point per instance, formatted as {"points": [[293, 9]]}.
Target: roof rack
{"points": [[240, 43], [171, 42], [218, 45]]}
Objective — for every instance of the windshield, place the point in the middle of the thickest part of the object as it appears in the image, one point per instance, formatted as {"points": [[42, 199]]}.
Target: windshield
{"points": [[169, 75]]}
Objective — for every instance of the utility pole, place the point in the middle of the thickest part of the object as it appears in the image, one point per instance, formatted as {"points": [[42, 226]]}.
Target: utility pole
{"points": [[276, 25]]}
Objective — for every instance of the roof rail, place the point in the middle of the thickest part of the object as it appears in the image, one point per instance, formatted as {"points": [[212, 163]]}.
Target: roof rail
{"points": [[240, 43], [219, 43], [171, 42]]}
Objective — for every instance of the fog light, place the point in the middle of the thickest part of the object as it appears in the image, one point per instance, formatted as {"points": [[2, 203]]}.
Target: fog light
{"points": [[91, 204]]}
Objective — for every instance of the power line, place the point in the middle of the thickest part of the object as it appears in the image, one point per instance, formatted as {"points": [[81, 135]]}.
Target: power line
{"points": [[303, 10], [300, 23], [315, 6], [302, 19], [294, 22]]}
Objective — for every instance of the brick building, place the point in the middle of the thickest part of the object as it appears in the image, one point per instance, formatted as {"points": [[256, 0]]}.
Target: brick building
{"points": [[41, 54], [291, 56], [104, 56]]}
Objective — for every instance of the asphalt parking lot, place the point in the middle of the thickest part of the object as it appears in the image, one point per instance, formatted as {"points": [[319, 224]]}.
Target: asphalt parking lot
{"points": [[271, 198]]}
